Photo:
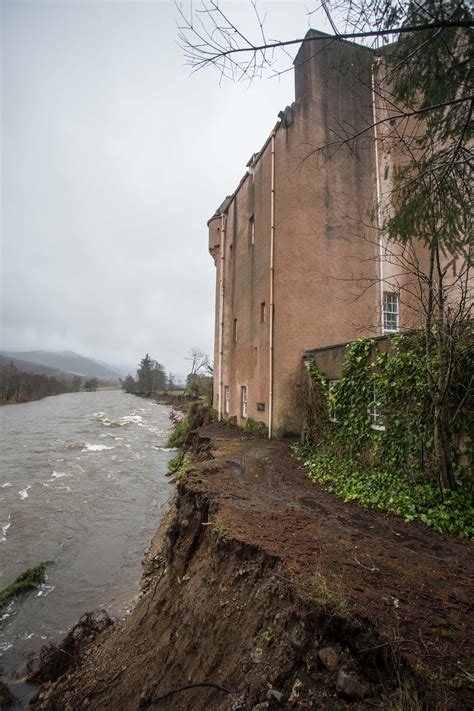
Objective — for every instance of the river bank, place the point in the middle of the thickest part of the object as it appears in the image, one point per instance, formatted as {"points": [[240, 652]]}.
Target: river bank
{"points": [[83, 483], [281, 596]]}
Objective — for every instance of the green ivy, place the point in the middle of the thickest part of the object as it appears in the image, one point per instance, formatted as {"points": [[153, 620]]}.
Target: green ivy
{"points": [[391, 469], [451, 512]]}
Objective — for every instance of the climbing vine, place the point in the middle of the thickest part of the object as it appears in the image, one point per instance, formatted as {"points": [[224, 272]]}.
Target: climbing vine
{"points": [[369, 435]]}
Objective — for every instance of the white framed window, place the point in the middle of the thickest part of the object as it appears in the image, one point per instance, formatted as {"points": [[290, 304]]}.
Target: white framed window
{"points": [[243, 400], [331, 400], [226, 400], [375, 416], [391, 312]]}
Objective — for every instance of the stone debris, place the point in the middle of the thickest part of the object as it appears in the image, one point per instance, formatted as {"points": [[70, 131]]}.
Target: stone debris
{"points": [[329, 657], [348, 687]]}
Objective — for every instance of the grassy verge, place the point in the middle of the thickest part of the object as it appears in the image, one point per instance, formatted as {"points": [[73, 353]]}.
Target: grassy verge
{"points": [[28, 580], [180, 465], [450, 512]]}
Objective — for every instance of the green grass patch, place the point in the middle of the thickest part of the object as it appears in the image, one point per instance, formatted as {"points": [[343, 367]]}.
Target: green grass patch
{"points": [[29, 580], [180, 465], [447, 512]]}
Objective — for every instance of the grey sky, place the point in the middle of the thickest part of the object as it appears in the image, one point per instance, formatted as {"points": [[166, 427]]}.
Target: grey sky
{"points": [[113, 159]]}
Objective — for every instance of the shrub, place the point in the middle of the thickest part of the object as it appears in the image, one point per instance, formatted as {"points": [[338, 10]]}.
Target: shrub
{"points": [[255, 428]]}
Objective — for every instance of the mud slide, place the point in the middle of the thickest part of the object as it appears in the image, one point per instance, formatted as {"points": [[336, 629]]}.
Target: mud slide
{"points": [[263, 591]]}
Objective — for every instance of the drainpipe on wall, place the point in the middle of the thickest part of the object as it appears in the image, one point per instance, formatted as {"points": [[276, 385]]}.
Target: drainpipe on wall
{"points": [[272, 239], [378, 194], [221, 317]]}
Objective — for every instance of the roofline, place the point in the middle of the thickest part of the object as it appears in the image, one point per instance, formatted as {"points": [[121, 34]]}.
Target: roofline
{"points": [[325, 35], [385, 337], [232, 197]]}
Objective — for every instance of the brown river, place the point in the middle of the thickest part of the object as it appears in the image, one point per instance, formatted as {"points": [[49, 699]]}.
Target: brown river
{"points": [[82, 483]]}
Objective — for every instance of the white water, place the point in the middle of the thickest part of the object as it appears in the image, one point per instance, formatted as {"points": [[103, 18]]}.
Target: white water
{"points": [[75, 493]]}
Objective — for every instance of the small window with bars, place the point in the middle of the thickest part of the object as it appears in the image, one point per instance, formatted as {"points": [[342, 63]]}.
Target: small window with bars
{"points": [[391, 311], [243, 400], [375, 416]]}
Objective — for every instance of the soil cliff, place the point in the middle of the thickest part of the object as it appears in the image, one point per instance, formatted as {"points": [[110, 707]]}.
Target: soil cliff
{"points": [[262, 591]]}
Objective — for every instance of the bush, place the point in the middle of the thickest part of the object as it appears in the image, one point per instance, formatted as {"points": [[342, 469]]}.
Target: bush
{"points": [[29, 580], [255, 428], [197, 414]]}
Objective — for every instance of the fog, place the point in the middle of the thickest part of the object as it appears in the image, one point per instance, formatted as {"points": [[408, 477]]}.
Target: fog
{"points": [[113, 159]]}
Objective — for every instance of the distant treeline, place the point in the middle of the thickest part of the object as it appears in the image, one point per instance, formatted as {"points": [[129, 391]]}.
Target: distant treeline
{"points": [[151, 377], [18, 386]]}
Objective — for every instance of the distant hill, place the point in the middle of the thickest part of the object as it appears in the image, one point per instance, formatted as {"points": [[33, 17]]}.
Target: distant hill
{"points": [[66, 362], [28, 367]]}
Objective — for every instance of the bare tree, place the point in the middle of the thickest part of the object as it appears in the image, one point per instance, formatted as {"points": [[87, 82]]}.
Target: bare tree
{"points": [[199, 362]]}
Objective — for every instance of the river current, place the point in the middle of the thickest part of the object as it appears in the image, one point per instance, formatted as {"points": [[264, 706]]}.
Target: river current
{"points": [[82, 483]]}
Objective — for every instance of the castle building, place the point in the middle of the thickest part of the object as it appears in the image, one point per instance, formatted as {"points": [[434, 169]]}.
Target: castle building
{"points": [[299, 259]]}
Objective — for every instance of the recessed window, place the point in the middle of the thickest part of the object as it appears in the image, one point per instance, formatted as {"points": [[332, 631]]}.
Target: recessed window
{"points": [[226, 400], [391, 311], [375, 416], [262, 312], [234, 331], [243, 400], [252, 230]]}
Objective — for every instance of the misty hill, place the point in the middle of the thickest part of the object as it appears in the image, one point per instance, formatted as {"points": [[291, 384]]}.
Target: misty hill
{"points": [[35, 368], [67, 362]]}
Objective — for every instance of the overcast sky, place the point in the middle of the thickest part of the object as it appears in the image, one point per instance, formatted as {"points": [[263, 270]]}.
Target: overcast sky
{"points": [[113, 159]]}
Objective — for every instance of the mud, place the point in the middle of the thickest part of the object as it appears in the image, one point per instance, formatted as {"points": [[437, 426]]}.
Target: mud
{"points": [[280, 595]]}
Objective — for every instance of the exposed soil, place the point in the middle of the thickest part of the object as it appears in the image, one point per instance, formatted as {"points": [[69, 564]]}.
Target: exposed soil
{"points": [[264, 584]]}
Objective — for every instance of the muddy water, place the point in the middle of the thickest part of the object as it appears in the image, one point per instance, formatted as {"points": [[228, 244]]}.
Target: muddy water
{"points": [[82, 483]]}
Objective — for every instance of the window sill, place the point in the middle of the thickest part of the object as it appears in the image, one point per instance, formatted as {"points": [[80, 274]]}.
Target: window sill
{"points": [[378, 428]]}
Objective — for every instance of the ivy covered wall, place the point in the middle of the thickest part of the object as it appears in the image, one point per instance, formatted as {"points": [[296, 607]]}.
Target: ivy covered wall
{"points": [[370, 434]]}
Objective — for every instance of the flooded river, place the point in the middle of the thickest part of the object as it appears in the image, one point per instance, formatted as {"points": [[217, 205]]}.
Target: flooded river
{"points": [[82, 483]]}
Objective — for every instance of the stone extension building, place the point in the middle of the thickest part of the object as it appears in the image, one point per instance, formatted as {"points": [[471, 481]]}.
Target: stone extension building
{"points": [[299, 259]]}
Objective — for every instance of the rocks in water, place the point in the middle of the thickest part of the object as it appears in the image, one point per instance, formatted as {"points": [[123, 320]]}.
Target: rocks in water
{"points": [[349, 687]]}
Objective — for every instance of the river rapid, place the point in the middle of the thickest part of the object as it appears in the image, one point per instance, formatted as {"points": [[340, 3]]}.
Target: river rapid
{"points": [[82, 483]]}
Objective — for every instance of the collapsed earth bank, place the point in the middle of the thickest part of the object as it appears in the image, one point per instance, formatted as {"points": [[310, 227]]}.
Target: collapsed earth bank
{"points": [[262, 591]]}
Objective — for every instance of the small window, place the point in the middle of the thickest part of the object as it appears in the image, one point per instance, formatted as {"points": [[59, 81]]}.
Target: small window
{"points": [[226, 400], [262, 312], [234, 331], [252, 230], [332, 400], [243, 400], [375, 416], [391, 311]]}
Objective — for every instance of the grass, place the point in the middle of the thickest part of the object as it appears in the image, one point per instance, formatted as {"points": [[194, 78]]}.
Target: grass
{"points": [[264, 637], [326, 597], [220, 529], [180, 465], [29, 580]]}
